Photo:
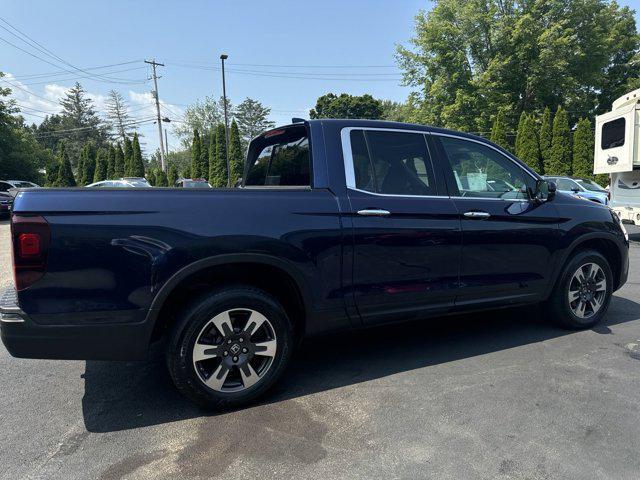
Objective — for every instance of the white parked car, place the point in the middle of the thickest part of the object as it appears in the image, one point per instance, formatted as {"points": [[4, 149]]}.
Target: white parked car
{"points": [[127, 182]]}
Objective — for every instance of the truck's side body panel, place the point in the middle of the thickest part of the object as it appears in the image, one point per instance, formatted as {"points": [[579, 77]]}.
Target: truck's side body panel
{"points": [[117, 254]]}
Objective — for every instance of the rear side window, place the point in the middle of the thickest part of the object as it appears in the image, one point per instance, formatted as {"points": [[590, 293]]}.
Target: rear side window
{"points": [[613, 134], [280, 158], [390, 162]]}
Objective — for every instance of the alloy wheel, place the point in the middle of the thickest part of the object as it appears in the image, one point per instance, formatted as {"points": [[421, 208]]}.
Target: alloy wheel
{"points": [[587, 290], [234, 350]]}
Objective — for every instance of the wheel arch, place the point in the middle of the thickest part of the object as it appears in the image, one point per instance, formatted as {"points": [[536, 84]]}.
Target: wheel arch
{"points": [[601, 243], [284, 281]]}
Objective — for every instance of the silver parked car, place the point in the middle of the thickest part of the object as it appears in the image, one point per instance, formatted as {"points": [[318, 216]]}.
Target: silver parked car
{"points": [[127, 182]]}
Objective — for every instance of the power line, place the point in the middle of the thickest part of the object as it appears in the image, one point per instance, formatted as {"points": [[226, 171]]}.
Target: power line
{"points": [[51, 74], [286, 66], [129, 81], [44, 50]]}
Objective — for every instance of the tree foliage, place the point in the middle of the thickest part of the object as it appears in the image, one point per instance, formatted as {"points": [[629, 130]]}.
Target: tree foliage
{"points": [[469, 58], [545, 137], [560, 156], [21, 156], [118, 167], [252, 118], [111, 163], [202, 115], [172, 175], [65, 173], [118, 118], [347, 106], [499, 130], [528, 149], [128, 157], [196, 154], [218, 169], [137, 163], [88, 163], [236, 156], [583, 149], [79, 122], [100, 172]]}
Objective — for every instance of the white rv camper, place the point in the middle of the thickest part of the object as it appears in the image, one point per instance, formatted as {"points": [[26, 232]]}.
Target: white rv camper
{"points": [[617, 152]]}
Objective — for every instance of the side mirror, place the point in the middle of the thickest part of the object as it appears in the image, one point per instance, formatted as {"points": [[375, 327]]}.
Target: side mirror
{"points": [[545, 190], [575, 189]]}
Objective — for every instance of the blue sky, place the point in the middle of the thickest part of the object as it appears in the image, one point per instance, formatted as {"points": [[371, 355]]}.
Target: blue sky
{"points": [[337, 46]]}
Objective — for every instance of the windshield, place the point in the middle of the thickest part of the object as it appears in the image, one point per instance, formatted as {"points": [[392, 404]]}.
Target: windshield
{"points": [[137, 183], [198, 184], [590, 185]]}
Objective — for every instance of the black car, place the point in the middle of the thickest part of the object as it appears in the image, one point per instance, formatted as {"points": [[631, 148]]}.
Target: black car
{"points": [[6, 201], [339, 224]]}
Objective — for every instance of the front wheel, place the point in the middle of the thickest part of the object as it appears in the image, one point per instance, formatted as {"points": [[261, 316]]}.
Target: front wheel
{"points": [[583, 291], [229, 347]]}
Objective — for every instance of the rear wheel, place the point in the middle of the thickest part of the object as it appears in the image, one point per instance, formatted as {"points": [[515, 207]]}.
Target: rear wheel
{"points": [[583, 292], [229, 347]]}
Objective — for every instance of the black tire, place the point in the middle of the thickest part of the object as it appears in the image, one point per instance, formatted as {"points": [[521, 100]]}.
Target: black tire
{"points": [[558, 303], [189, 327]]}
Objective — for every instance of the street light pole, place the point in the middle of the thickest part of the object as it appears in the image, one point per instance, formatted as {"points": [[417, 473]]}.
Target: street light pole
{"points": [[223, 57]]}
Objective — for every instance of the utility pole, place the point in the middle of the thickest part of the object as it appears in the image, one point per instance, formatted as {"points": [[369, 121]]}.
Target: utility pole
{"points": [[154, 64], [223, 57], [166, 142]]}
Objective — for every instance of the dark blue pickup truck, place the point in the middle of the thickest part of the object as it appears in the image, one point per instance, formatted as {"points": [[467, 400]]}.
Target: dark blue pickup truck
{"points": [[339, 224]]}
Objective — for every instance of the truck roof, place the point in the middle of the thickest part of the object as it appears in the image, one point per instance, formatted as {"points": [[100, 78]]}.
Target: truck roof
{"points": [[347, 122]]}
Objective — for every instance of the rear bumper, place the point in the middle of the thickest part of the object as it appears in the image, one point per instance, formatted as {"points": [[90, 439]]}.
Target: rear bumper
{"points": [[25, 338]]}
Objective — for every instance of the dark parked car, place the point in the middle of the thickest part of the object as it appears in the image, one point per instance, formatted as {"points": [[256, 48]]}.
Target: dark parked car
{"points": [[6, 201], [340, 224]]}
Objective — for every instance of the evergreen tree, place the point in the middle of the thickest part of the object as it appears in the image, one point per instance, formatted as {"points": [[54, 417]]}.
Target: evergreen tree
{"points": [[65, 174], [211, 150], [100, 173], [185, 172], [128, 157], [521, 122], [529, 149], [204, 155], [560, 160], [111, 163], [196, 153], [51, 169], [172, 176], [499, 130], [219, 168], [118, 165], [583, 149], [151, 177], [80, 122], [545, 139], [236, 158], [161, 179], [88, 162], [137, 163]]}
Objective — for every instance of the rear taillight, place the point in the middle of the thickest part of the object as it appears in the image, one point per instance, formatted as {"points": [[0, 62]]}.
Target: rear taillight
{"points": [[31, 238]]}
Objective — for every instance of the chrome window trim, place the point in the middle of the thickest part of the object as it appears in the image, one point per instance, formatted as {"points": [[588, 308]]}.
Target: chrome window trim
{"points": [[347, 156], [350, 177]]}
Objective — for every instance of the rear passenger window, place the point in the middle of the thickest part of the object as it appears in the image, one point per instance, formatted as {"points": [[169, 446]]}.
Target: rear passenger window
{"points": [[390, 162], [280, 158]]}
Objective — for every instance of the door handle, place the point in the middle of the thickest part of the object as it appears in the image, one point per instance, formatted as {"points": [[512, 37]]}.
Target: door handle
{"points": [[374, 212], [477, 214]]}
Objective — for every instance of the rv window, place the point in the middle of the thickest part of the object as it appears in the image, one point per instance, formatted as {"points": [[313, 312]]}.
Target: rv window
{"points": [[613, 134]]}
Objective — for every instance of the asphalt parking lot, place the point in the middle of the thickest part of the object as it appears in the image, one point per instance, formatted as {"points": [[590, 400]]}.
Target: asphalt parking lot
{"points": [[503, 395]]}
